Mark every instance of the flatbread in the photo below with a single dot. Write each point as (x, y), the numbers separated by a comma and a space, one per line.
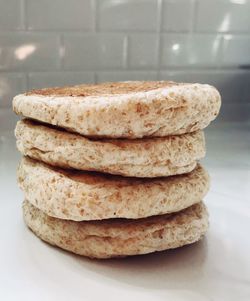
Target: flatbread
(130, 110)
(151, 157)
(75, 195)
(119, 237)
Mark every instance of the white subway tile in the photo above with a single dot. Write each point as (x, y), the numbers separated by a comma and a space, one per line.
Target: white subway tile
(177, 15)
(246, 89)
(37, 80)
(132, 51)
(11, 84)
(10, 15)
(190, 50)
(60, 14)
(129, 15)
(8, 122)
(143, 51)
(230, 83)
(223, 16)
(126, 75)
(28, 51)
(234, 113)
(236, 51)
(93, 51)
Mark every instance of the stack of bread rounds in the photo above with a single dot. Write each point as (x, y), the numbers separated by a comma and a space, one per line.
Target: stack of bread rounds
(112, 170)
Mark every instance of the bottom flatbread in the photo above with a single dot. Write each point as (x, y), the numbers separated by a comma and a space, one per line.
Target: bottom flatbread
(119, 237)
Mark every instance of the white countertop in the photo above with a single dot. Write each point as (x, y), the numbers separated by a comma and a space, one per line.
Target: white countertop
(217, 268)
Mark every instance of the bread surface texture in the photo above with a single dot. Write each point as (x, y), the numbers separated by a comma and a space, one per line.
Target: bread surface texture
(75, 195)
(133, 109)
(119, 237)
(147, 157)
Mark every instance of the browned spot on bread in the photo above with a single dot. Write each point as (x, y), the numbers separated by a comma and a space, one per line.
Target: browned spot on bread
(105, 88)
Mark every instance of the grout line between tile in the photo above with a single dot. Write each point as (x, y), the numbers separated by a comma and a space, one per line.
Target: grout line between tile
(61, 52)
(26, 81)
(239, 34)
(220, 51)
(159, 40)
(95, 21)
(125, 52)
(23, 15)
(194, 16)
(205, 68)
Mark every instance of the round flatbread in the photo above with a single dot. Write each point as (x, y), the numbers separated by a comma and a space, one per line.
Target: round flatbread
(75, 195)
(123, 109)
(119, 237)
(151, 157)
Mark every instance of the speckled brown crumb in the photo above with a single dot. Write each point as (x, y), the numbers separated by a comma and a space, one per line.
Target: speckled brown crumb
(124, 110)
(119, 237)
(152, 157)
(110, 88)
(75, 195)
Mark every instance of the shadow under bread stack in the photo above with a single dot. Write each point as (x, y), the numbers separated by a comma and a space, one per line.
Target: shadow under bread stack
(111, 170)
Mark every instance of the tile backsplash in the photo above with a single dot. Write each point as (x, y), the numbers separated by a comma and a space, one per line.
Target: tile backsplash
(46, 43)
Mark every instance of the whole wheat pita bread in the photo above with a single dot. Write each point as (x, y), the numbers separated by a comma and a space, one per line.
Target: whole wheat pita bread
(151, 157)
(124, 109)
(119, 237)
(75, 195)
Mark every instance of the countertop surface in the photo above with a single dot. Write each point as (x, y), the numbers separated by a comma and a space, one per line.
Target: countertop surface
(216, 268)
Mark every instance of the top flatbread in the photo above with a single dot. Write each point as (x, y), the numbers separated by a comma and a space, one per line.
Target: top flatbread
(123, 109)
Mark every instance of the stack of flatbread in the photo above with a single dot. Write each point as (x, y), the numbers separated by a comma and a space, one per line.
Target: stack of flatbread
(112, 170)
